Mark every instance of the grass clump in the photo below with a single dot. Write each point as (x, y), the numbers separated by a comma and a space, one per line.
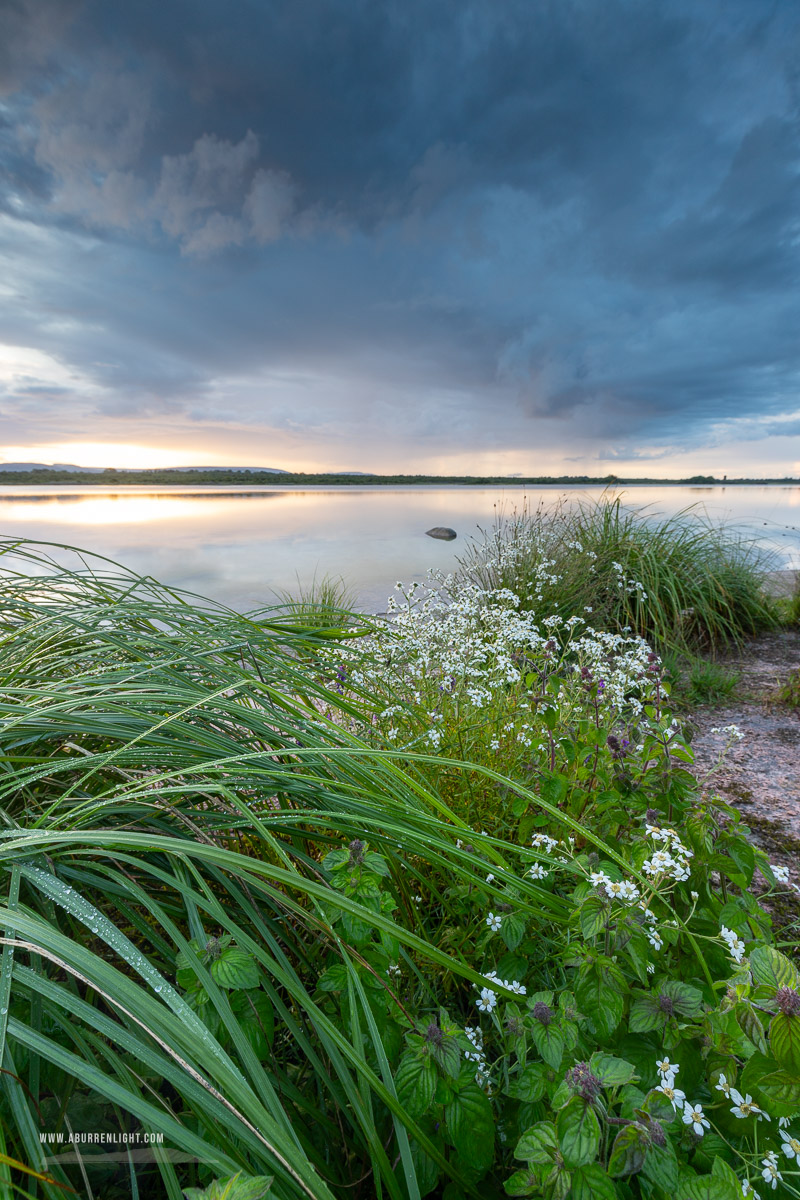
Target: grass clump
(434, 912)
(325, 603)
(700, 681)
(681, 581)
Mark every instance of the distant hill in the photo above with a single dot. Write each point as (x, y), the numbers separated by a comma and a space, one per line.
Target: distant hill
(22, 467)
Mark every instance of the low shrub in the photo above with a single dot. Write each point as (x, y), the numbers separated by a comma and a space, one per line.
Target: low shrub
(257, 910)
(681, 581)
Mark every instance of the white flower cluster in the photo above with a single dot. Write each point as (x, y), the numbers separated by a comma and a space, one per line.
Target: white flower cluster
(692, 1114)
(455, 639)
(673, 861)
(734, 943)
(487, 998)
(614, 889)
(731, 732)
(477, 1054)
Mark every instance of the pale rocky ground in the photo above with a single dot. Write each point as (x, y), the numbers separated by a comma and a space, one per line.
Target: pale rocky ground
(760, 774)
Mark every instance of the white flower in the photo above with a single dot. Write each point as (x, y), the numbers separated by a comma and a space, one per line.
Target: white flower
(393, 969)
(747, 1188)
(651, 968)
(771, 1174)
(655, 939)
(490, 878)
(494, 922)
(791, 1146)
(487, 1000)
(598, 879)
(723, 1086)
(665, 1067)
(675, 1096)
(695, 895)
(780, 873)
(537, 871)
(693, 1115)
(732, 732)
(745, 1107)
(735, 943)
(784, 1122)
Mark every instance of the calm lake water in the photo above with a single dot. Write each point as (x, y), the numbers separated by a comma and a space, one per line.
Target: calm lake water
(238, 545)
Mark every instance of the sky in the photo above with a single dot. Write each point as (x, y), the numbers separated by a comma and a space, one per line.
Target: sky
(445, 236)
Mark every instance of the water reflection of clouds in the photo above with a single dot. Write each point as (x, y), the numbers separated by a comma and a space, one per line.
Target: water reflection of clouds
(240, 545)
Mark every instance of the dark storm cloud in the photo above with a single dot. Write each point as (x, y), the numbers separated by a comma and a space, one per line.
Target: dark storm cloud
(577, 212)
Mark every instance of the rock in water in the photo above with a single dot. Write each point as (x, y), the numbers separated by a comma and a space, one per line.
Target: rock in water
(442, 533)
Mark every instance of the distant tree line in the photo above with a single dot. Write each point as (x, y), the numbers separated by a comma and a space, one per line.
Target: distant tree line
(232, 476)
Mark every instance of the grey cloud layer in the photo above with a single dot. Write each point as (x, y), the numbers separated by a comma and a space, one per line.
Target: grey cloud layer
(578, 213)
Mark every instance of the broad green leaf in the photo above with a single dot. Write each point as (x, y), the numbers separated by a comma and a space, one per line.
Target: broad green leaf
(513, 928)
(537, 1143)
(593, 917)
(257, 1020)
(750, 1025)
(522, 1183)
(784, 1041)
(771, 968)
(722, 1170)
(549, 1042)
(779, 1093)
(602, 997)
(628, 1152)
(645, 1015)
(470, 1124)
(612, 1072)
(707, 1187)
(529, 1084)
(688, 1000)
(661, 1166)
(592, 1183)
(578, 1133)
(235, 969)
(236, 1187)
(334, 979)
(415, 1083)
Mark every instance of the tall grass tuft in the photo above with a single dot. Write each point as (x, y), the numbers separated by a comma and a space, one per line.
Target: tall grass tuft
(681, 581)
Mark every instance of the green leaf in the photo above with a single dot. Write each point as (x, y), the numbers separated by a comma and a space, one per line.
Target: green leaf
(470, 1124)
(661, 1166)
(578, 1133)
(725, 1172)
(779, 1093)
(593, 917)
(592, 1183)
(415, 1083)
(784, 1041)
(601, 995)
(376, 863)
(528, 1085)
(612, 1072)
(645, 1015)
(707, 1187)
(233, 1188)
(522, 1183)
(688, 1000)
(334, 979)
(235, 969)
(537, 1143)
(771, 968)
(751, 1027)
(257, 1020)
(549, 1042)
(512, 929)
(628, 1152)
